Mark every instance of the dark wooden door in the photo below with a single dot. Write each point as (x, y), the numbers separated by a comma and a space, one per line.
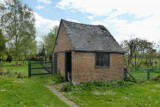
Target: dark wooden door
(68, 66)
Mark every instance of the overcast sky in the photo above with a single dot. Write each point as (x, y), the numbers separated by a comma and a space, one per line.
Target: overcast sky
(123, 18)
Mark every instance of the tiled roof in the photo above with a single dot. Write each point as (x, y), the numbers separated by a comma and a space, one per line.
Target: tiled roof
(91, 37)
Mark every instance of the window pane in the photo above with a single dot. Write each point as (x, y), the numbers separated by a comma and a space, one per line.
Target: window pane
(97, 62)
(102, 59)
(105, 62)
(101, 62)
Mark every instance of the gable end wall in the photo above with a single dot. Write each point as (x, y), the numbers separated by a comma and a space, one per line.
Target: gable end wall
(62, 44)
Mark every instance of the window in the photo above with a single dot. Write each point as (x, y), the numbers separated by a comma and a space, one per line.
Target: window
(102, 59)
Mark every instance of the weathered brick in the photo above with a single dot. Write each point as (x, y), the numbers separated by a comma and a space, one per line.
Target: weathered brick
(83, 63)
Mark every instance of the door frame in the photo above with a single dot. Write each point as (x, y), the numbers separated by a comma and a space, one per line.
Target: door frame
(68, 66)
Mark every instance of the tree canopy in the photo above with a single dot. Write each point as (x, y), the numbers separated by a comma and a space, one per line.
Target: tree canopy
(2, 44)
(18, 23)
(139, 52)
(49, 40)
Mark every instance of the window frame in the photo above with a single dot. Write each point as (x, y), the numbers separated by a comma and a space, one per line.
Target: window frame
(102, 61)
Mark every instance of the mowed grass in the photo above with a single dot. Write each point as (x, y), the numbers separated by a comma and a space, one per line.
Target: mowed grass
(26, 92)
(137, 95)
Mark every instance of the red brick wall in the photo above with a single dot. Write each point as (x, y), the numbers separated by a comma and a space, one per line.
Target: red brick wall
(61, 63)
(83, 68)
(62, 44)
(83, 63)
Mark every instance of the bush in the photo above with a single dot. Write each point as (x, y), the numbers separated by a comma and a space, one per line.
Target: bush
(90, 86)
(40, 58)
(157, 78)
(67, 88)
(19, 75)
(10, 74)
(9, 59)
(57, 78)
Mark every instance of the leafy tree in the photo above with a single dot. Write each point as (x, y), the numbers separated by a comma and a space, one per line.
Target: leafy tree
(49, 41)
(2, 45)
(130, 47)
(139, 52)
(41, 56)
(29, 47)
(17, 21)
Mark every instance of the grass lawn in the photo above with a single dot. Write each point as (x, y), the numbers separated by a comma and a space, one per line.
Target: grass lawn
(26, 92)
(137, 95)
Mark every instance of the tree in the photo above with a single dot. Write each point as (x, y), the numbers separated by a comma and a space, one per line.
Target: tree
(130, 47)
(139, 52)
(2, 45)
(17, 21)
(49, 41)
(29, 47)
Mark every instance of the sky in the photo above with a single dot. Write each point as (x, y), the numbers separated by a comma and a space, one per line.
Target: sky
(125, 19)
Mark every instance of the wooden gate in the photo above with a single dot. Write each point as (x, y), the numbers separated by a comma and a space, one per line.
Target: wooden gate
(39, 68)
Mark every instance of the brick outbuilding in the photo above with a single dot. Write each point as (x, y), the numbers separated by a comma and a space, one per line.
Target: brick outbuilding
(85, 53)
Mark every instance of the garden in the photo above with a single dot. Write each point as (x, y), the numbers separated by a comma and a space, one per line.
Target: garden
(17, 90)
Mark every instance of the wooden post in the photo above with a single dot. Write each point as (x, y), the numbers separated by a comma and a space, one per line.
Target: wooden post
(51, 67)
(148, 74)
(29, 69)
(125, 74)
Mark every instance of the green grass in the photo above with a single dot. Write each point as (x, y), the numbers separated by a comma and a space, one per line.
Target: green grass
(137, 95)
(26, 92)
(12, 68)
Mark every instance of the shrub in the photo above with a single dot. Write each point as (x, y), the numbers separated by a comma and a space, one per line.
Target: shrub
(67, 88)
(90, 86)
(19, 75)
(10, 74)
(99, 83)
(1, 71)
(40, 58)
(57, 78)
(9, 59)
(157, 78)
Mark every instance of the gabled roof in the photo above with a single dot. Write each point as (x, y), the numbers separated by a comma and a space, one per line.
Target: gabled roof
(91, 37)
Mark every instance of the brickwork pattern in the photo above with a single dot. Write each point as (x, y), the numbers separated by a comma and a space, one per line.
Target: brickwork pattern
(84, 70)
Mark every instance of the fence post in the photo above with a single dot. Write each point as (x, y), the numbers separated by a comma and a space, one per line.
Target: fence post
(29, 69)
(148, 74)
(125, 74)
(51, 67)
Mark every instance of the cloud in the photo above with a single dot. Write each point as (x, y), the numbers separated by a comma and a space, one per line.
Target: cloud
(73, 20)
(40, 7)
(101, 7)
(90, 17)
(45, 1)
(1, 1)
(43, 25)
(142, 20)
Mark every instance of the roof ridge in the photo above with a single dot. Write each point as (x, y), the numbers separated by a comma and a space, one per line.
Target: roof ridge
(63, 20)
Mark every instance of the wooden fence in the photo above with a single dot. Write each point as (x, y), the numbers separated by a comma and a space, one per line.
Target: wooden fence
(39, 68)
(140, 75)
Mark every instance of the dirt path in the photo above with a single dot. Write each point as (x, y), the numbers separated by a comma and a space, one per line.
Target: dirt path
(62, 97)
